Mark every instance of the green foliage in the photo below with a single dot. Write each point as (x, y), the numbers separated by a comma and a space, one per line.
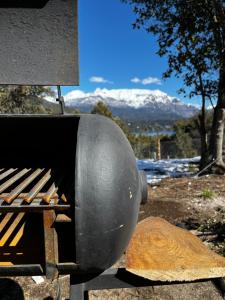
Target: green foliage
(102, 109)
(192, 168)
(188, 135)
(141, 144)
(29, 100)
(207, 194)
(184, 144)
(23, 99)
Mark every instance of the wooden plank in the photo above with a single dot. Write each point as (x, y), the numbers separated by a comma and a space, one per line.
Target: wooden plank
(161, 251)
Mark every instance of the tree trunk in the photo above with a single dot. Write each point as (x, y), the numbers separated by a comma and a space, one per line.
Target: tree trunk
(219, 135)
(203, 138)
(202, 127)
(217, 131)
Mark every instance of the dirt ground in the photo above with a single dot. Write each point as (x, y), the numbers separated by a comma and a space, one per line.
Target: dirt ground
(196, 204)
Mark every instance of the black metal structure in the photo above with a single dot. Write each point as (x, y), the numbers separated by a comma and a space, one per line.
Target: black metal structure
(108, 193)
(118, 279)
(90, 177)
(23, 3)
(39, 42)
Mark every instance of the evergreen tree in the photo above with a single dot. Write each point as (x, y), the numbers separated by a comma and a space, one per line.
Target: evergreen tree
(23, 99)
(102, 109)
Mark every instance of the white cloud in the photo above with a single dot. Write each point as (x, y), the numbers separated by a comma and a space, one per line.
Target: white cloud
(147, 80)
(99, 79)
(151, 80)
(75, 94)
(135, 80)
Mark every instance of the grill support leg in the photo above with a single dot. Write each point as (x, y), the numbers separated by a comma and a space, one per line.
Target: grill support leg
(78, 292)
(80, 284)
(51, 245)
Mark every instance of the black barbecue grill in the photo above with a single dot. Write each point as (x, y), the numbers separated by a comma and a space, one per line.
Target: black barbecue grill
(69, 194)
(69, 186)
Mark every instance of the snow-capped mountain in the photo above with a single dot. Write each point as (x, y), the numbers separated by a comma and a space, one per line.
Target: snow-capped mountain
(132, 104)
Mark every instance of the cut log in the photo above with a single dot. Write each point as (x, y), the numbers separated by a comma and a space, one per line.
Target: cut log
(161, 251)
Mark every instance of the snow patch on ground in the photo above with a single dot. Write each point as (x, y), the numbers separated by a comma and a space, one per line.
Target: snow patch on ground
(156, 170)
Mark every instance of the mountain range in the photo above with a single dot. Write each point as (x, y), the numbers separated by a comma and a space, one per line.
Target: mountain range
(133, 104)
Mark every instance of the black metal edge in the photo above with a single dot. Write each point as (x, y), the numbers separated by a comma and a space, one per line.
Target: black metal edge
(36, 269)
(219, 285)
(90, 254)
(67, 268)
(52, 116)
(30, 208)
(21, 270)
(110, 279)
(120, 278)
(23, 4)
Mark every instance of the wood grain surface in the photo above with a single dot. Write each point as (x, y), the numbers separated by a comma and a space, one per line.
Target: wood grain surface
(159, 250)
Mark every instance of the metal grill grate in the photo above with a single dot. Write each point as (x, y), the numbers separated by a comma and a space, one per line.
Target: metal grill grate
(30, 188)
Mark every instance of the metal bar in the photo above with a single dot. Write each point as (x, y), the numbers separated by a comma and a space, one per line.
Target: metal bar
(16, 202)
(21, 270)
(51, 245)
(6, 173)
(10, 181)
(23, 196)
(50, 193)
(19, 202)
(67, 268)
(33, 208)
(41, 183)
(77, 292)
(60, 99)
(15, 192)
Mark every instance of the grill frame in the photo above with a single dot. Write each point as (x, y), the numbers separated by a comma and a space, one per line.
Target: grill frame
(76, 140)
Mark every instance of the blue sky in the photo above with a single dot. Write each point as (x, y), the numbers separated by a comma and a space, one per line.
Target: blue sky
(112, 53)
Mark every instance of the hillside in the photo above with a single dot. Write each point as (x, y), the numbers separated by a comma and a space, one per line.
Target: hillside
(133, 104)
